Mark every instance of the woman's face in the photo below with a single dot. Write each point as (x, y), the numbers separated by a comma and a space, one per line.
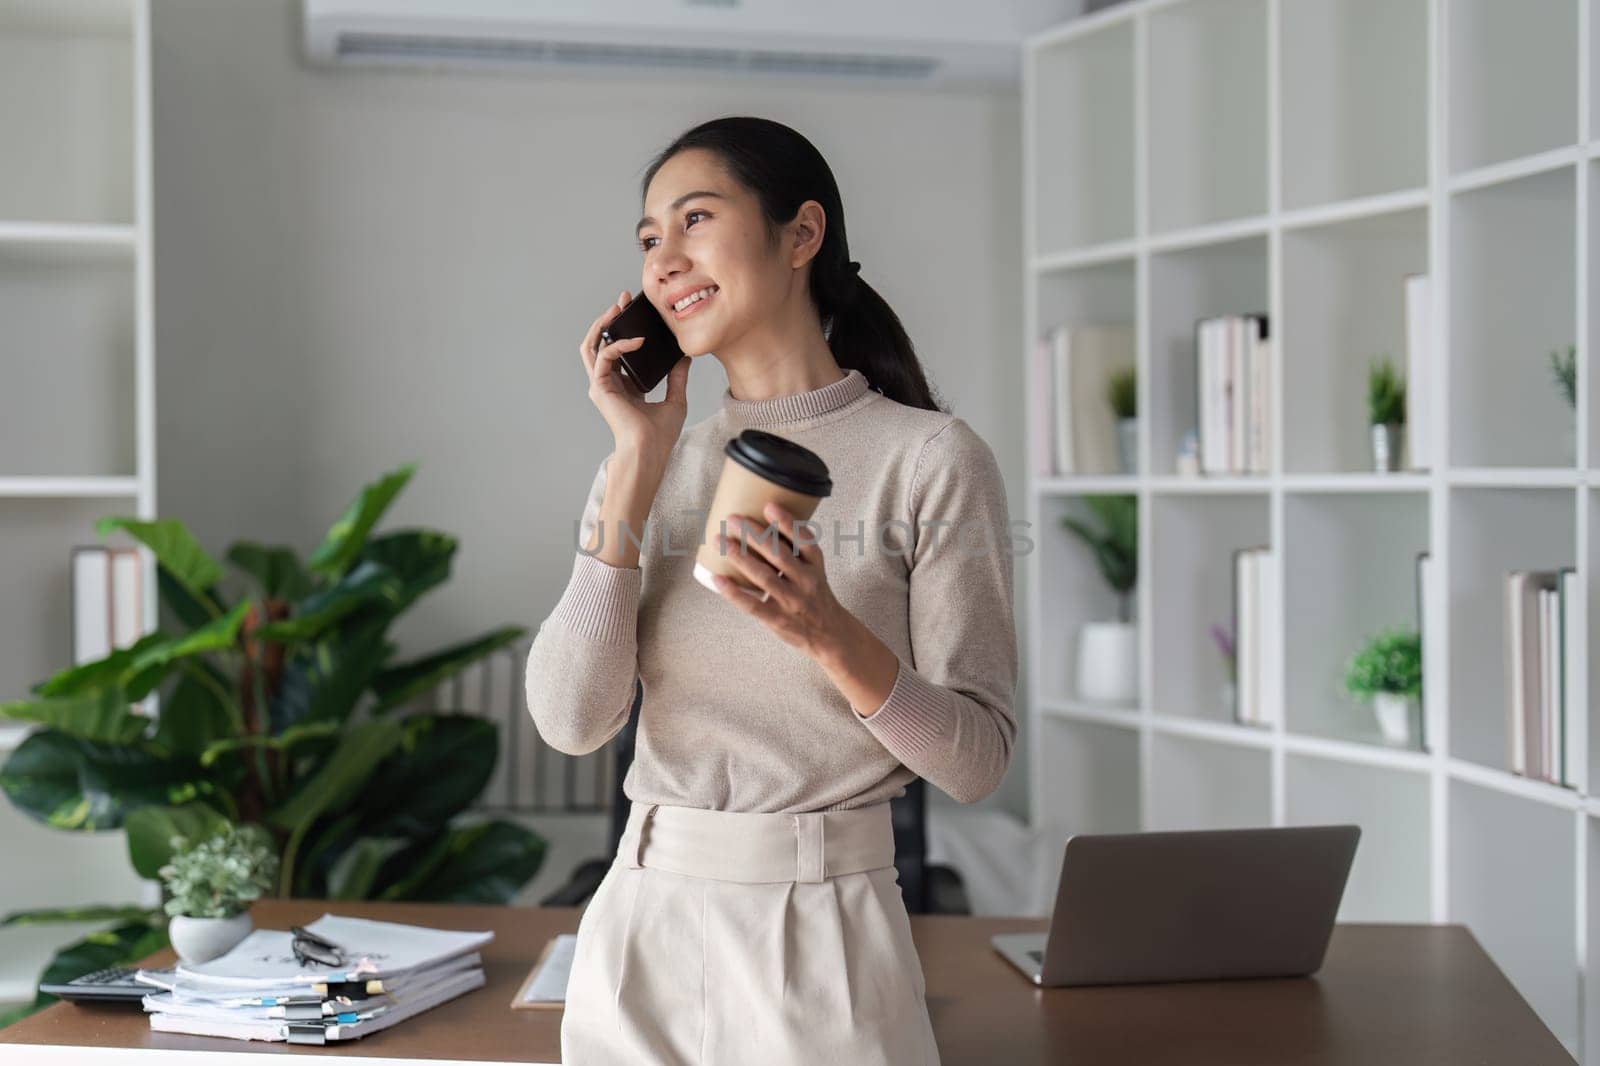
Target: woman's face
(717, 241)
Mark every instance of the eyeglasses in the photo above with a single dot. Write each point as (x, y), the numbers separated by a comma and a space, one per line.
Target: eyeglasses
(310, 948)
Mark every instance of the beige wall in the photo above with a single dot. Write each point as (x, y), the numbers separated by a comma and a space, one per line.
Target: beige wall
(359, 268)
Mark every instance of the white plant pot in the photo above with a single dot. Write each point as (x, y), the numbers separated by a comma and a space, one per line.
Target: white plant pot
(1108, 662)
(203, 939)
(1394, 713)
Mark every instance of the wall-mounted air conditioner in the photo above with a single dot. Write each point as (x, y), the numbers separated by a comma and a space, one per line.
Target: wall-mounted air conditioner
(933, 42)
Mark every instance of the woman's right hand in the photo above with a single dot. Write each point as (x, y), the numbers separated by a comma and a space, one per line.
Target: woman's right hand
(646, 429)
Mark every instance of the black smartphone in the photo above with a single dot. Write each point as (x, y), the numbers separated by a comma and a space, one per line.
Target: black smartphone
(647, 364)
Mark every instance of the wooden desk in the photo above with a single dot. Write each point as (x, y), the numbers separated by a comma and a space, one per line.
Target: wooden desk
(1416, 995)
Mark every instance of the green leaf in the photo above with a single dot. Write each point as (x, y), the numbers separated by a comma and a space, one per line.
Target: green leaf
(444, 763)
(284, 741)
(400, 683)
(151, 829)
(124, 945)
(325, 681)
(216, 635)
(345, 538)
(362, 748)
(87, 677)
(366, 583)
(420, 863)
(69, 783)
(102, 716)
(193, 611)
(419, 557)
(175, 549)
(354, 872)
(276, 570)
(312, 878)
(193, 716)
(486, 863)
(121, 912)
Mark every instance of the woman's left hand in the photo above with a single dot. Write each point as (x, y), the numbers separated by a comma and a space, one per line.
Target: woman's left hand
(800, 607)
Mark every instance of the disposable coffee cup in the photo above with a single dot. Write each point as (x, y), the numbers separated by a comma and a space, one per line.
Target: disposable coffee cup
(758, 468)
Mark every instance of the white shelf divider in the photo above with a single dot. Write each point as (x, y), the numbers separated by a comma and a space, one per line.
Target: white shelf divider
(1186, 257)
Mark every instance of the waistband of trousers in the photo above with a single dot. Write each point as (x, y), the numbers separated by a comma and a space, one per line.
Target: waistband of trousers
(757, 846)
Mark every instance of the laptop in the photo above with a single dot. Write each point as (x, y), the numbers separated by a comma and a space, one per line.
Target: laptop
(1189, 905)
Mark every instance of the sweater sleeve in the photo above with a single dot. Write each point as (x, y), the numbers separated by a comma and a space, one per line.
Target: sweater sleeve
(584, 662)
(949, 716)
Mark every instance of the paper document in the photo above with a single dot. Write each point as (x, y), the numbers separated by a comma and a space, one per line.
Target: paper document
(374, 950)
(547, 985)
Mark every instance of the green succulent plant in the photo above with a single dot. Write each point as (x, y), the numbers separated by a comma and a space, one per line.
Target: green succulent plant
(220, 876)
(1389, 662)
(280, 708)
(1386, 393)
(1114, 540)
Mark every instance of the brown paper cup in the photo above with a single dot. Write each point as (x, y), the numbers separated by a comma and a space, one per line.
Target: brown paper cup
(742, 492)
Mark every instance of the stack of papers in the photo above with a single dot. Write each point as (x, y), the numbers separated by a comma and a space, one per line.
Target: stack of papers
(259, 991)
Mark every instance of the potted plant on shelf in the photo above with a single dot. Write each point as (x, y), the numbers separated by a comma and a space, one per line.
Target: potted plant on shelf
(1108, 652)
(1565, 370)
(212, 884)
(1388, 671)
(1223, 639)
(1386, 413)
(1122, 392)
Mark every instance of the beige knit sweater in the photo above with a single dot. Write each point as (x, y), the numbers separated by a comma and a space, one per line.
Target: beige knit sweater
(916, 542)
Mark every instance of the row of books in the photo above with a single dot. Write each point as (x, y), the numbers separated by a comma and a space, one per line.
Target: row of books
(107, 603)
(260, 990)
(1075, 429)
(1233, 388)
(1255, 588)
(1541, 661)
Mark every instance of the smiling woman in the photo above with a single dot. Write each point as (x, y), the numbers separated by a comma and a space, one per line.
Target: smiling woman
(753, 911)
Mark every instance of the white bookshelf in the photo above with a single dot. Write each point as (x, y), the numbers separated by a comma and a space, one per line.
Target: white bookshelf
(77, 413)
(1185, 158)
(77, 374)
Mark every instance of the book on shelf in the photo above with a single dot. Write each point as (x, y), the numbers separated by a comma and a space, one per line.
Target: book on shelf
(1424, 590)
(1541, 669)
(1418, 372)
(1574, 717)
(1233, 386)
(1255, 579)
(1075, 430)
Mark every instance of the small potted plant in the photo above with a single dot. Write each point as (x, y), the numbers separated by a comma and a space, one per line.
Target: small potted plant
(1386, 413)
(1108, 652)
(1565, 370)
(1388, 671)
(212, 884)
(1223, 639)
(1122, 392)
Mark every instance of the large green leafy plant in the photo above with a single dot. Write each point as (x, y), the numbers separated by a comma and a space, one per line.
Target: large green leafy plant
(277, 710)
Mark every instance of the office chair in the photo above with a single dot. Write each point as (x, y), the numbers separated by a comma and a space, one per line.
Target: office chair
(927, 888)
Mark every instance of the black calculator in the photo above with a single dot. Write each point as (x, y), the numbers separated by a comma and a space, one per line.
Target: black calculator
(110, 985)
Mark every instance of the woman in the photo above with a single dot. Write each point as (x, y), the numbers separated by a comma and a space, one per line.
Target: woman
(753, 910)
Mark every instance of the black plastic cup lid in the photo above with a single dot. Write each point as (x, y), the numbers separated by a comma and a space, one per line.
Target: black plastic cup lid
(781, 461)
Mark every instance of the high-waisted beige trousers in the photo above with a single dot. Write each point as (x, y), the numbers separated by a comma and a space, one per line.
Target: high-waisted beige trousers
(723, 938)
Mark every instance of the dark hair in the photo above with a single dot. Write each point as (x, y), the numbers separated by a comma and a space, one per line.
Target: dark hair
(784, 170)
